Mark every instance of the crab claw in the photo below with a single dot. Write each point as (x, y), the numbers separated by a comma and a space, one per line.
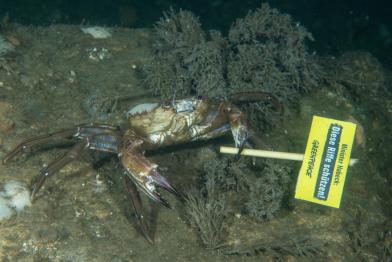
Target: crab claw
(146, 177)
(154, 180)
(240, 135)
(156, 196)
(239, 127)
(162, 182)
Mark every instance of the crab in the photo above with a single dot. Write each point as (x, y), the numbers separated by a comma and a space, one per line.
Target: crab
(149, 126)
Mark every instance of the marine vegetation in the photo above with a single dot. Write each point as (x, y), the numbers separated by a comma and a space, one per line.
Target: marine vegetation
(264, 51)
(230, 187)
(207, 212)
(268, 191)
(280, 247)
(262, 188)
(99, 106)
(368, 238)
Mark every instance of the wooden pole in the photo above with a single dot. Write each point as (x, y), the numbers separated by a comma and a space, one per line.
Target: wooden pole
(270, 154)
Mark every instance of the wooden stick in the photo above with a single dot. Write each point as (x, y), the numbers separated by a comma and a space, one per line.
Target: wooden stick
(270, 154)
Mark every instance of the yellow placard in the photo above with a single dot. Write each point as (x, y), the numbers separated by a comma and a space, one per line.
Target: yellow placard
(324, 168)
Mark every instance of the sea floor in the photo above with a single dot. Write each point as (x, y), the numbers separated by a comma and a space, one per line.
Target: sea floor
(58, 77)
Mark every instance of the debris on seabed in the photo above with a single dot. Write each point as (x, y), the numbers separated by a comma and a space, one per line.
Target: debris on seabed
(97, 32)
(14, 196)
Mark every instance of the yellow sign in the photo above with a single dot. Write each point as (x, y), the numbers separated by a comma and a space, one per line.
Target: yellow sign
(326, 159)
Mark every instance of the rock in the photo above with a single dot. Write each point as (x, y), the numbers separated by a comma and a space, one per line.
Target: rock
(6, 123)
(361, 71)
(45, 234)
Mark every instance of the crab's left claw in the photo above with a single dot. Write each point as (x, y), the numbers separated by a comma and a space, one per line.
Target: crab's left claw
(238, 125)
(240, 135)
(241, 139)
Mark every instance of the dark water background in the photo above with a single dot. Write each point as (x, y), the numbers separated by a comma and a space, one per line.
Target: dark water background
(337, 25)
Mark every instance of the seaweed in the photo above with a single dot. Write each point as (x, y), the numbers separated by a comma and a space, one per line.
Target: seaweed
(279, 247)
(178, 31)
(185, 61)
(99, 106)
(268, 191)
(207, 215)
(163, 76)
(358, 232)
(263, 192)
(227, 174)
(176, 34)
(264, 51)
(269, 54)
(368, 237)
(206, 66)
(364, 235)
(207, 212)
(384, 244)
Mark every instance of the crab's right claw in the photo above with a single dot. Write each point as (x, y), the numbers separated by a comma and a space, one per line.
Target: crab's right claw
(162, 182)
(152, 182)
(146, 177)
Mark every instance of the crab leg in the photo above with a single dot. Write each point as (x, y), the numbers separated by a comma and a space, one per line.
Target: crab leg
(87, 130)
(103, 143)
(100, 142)
(81, 131)
(57, 165)
(44, 139)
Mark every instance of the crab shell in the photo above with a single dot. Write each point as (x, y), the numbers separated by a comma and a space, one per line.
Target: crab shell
(181, 121)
